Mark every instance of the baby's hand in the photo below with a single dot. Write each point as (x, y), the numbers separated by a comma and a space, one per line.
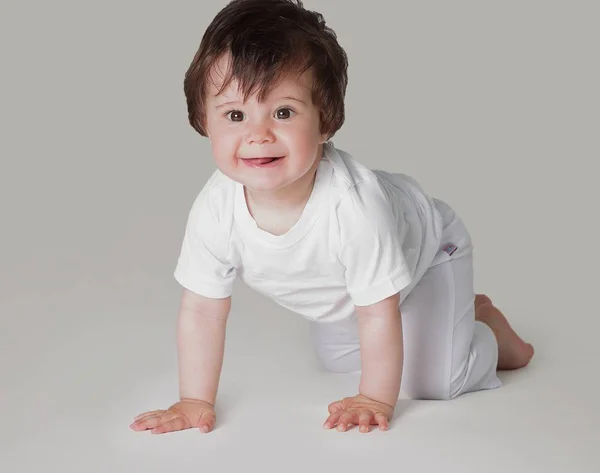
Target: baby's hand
(359, 410)
(185, 414)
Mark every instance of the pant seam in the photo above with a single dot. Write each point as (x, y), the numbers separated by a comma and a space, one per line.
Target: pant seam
(450, 358)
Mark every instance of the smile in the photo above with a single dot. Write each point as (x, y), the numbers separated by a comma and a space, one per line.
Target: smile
(262, 162)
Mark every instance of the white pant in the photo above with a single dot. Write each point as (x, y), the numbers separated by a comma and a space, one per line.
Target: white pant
(446, 351)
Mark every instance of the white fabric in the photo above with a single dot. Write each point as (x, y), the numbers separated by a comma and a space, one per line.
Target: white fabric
(446, 352)
(364, 235)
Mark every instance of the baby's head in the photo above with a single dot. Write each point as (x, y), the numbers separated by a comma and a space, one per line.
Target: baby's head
(268, 80)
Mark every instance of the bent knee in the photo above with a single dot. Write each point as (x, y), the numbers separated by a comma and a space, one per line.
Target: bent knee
(340, 364)
(337, 367)
(427, 391)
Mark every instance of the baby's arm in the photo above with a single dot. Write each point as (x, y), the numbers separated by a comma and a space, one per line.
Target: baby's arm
(382, 350)
(201, 345)
(382, 354)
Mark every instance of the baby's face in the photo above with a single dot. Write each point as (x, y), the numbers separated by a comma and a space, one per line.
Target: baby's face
(284, 126)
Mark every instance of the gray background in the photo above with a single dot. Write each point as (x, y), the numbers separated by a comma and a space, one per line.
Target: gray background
(492, 106)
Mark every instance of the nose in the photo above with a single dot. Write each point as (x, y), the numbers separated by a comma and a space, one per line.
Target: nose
(260, 133)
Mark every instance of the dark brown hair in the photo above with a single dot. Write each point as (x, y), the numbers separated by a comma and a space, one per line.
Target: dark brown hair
(267, 39)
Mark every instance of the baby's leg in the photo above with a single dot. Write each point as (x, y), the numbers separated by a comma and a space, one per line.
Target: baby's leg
(337, 345)
(454, 340)
(446, 351)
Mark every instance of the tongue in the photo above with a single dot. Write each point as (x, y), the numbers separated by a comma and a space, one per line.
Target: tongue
(263, 160)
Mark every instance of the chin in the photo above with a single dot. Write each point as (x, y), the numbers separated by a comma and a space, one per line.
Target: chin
(262, 186)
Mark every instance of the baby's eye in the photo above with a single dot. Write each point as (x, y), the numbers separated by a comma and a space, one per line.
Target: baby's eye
(284, 113)
(235, 116)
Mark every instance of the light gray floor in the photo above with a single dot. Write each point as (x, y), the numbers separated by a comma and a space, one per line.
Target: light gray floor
(493, 108)
(78, 364)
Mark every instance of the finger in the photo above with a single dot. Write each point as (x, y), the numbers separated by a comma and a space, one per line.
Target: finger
(345, 419)
(332, 420)
(149, 413)
(170, 425)
(150, 422)
(141, 422)
(381, 419)
(364, 419)
(207, 422)
(335, 407)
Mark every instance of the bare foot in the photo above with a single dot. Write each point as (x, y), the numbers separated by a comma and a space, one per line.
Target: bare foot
(513, 352)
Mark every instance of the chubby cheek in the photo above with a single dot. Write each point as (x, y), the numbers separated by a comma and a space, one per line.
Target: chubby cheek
(223, 149)
(301, 142)
(224, 146)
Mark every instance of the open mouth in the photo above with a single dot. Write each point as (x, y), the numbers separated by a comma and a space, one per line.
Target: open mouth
(261, 162)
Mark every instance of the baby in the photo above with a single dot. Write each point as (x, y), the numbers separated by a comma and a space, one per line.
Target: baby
(383, 271)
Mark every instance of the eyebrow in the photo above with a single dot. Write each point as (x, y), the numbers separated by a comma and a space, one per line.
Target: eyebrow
(289, 97)
(226, 103)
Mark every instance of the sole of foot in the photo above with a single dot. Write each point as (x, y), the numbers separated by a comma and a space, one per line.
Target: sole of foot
(513, 352)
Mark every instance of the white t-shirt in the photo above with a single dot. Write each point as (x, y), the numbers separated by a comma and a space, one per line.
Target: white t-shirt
(364, 235)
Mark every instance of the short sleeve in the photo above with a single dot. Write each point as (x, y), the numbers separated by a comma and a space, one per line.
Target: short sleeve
(203, 265)
(371, 247)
